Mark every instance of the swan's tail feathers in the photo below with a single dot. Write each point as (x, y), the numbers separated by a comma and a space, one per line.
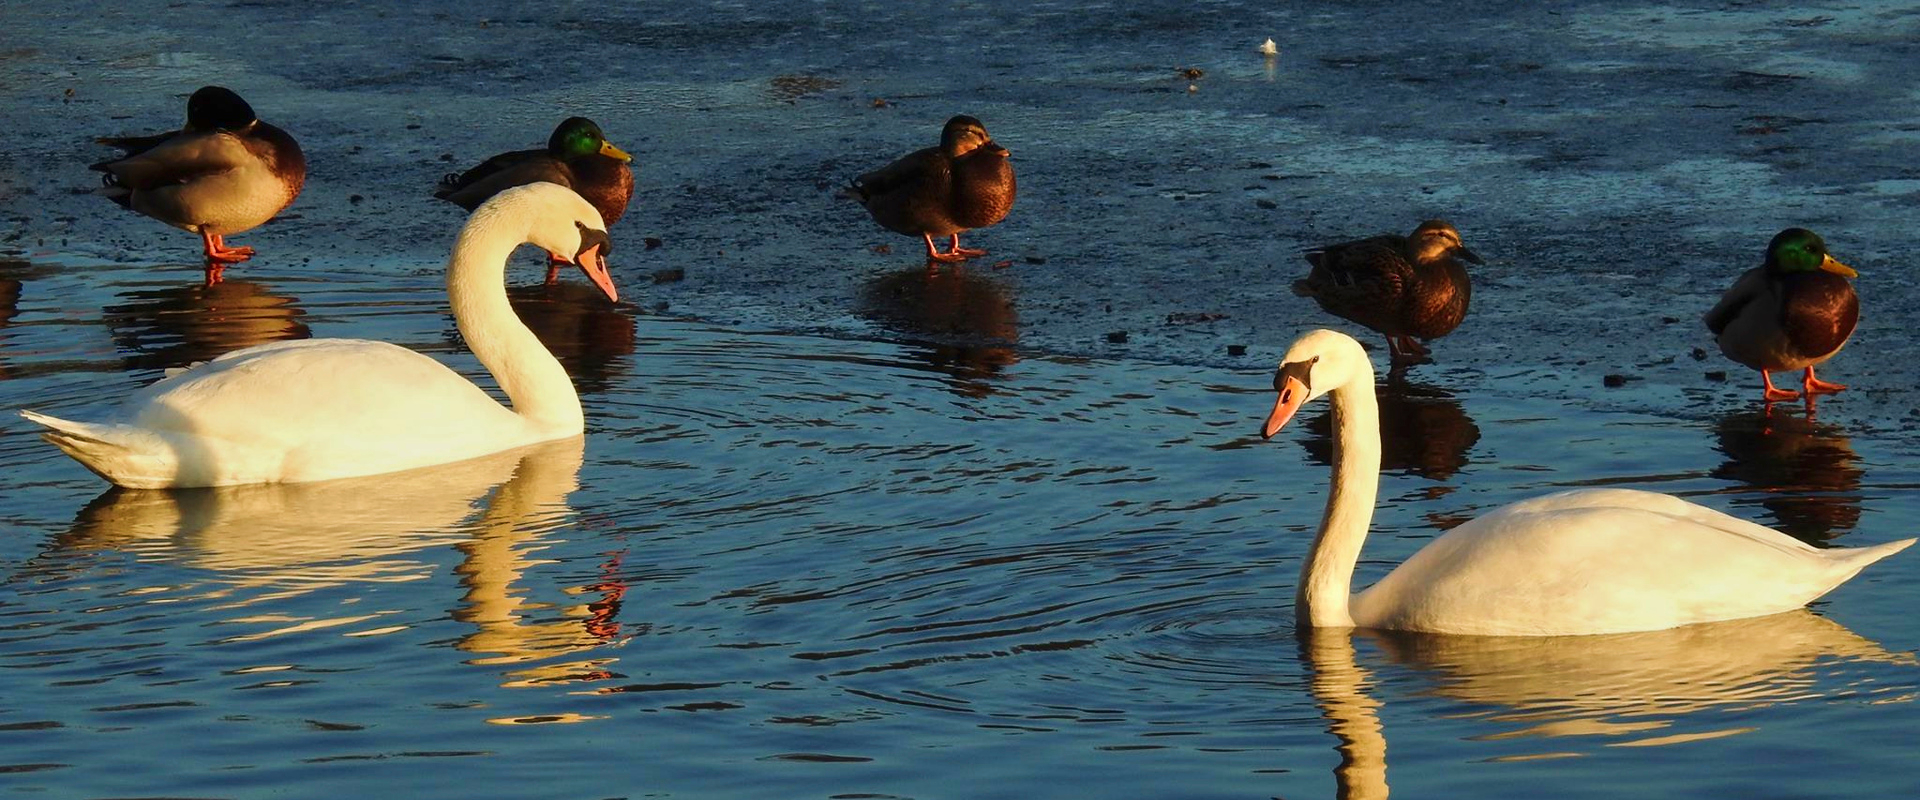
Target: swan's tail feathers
(122, 454)
(1858, 558)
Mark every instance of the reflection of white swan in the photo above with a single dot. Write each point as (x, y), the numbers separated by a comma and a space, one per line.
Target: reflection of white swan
(1621, 685)
(1578, 562)
(498, 555)
(1564, 681)
(1339, 685)
(318, 533)
(321, 409)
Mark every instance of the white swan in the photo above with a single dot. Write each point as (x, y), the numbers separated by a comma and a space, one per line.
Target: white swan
(320, 409)
(1578, 562)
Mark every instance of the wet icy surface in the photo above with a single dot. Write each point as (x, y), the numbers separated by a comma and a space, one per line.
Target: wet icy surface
(842, 527)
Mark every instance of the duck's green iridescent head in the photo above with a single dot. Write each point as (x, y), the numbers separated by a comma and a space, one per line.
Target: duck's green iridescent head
(215, 107)
(963, 135)
(578, 136)
(1802, 250)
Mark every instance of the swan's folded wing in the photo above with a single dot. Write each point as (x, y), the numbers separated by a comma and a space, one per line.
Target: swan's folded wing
(1662, 504)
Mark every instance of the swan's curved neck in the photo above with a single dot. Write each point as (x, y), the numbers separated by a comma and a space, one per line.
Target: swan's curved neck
(1326, 579)
(536, 385)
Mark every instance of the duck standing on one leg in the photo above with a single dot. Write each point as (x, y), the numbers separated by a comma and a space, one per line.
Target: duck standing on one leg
(964, 184)
(1406, 287)
(578, 156)
(223, 173)
(1794, 311)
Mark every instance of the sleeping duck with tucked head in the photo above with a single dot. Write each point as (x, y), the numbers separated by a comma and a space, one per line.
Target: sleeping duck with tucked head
(224, 172)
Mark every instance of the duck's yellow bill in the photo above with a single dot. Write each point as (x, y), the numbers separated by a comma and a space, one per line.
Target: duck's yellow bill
(607, 149)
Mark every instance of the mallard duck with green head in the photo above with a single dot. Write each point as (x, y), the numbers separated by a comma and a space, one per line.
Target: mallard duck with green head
(965, 183)
(577, 156)
(1406, 287)
(1794, 311)
(223, 173)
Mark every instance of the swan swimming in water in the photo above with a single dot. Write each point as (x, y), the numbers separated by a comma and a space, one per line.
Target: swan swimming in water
(319, 409)
(1585, 561)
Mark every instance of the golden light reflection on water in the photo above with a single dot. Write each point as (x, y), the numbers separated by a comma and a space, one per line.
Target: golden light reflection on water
(292, 539)
(1631, 688)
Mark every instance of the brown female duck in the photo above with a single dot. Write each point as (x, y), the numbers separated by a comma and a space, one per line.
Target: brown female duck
(964, 184)
(1406, 287)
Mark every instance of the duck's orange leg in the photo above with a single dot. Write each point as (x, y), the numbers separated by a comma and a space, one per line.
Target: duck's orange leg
(1772, 393)
(934, 254)
(964, 251)
(219, 255)
(1814, 385)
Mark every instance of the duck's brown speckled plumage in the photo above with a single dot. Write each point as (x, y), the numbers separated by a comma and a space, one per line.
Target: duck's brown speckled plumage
(1398, 285)
(963, 184)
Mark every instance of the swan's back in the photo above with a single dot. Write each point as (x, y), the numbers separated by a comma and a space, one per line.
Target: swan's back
(290, 412)
(1603, 561)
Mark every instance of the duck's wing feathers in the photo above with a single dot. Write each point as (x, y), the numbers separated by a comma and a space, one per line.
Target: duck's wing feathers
(133, 145)
(499, 173)
(1750, 287)
(1363, 273)
(179, 159)
(910, 172)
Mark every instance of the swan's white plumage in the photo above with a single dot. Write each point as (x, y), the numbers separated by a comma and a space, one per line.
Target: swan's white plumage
(1585, 561)
(332, 408)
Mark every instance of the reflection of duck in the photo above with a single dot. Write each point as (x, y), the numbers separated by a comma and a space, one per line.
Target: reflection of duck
(181, 325)
(591, 337)
(1423, 430)
(969, 323)
(1801, 471)
(1615, 685)
(11, 285)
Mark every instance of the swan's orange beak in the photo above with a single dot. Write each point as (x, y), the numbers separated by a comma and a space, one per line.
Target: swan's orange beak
(1292, 394)
(594, 262)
